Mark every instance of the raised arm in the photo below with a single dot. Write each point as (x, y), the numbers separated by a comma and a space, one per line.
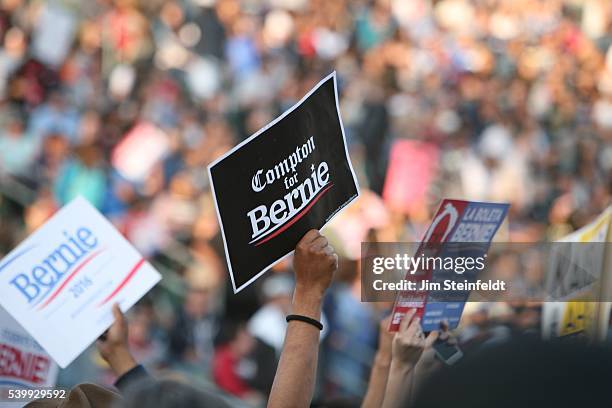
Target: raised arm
(314, 263)
(113, 347)
(380, 368)
(408, 346)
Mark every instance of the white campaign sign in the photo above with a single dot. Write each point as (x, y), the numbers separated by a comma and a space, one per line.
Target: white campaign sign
(61, 282)
(23, 363)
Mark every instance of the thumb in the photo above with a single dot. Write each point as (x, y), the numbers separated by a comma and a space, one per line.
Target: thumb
(406, 320)
(119, 318)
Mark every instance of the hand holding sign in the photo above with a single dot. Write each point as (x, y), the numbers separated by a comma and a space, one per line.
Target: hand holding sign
(113, 345)
(315, 263)
(61, 282)
(410, 342)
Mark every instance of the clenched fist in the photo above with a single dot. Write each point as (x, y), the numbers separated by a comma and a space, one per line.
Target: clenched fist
(314, 263)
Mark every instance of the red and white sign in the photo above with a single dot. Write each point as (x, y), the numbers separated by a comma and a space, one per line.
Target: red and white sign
(23, 362)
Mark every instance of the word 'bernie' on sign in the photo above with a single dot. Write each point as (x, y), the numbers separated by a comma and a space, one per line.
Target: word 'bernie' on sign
(282, 209)
(23, 365)
(48, 272)
(289, 177)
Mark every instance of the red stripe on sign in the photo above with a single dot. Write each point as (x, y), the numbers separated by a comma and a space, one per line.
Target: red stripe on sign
(296, 217)
(129, 276)
(69, 278)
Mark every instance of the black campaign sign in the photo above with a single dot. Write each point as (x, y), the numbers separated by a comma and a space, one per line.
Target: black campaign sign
(291, 176)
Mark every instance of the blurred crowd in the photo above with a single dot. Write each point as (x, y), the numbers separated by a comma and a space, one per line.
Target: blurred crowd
(126, 102)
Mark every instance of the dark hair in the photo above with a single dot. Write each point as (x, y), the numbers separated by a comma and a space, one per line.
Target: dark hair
(524, 373)
(228, 331)
(170, 394)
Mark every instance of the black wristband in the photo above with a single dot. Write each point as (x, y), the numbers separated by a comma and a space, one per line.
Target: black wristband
(305, 319)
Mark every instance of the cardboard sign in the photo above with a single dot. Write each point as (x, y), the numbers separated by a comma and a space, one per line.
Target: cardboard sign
(461, 222)
(61, 282)
(23, 363)
(567, 313)
(289, 177)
